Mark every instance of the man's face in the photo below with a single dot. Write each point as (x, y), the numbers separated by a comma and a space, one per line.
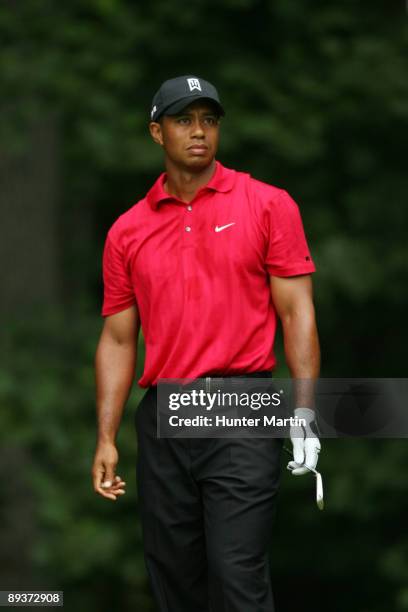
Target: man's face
(190, 138)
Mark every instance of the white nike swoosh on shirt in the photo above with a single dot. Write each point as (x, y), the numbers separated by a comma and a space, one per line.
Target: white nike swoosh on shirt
(223, 227)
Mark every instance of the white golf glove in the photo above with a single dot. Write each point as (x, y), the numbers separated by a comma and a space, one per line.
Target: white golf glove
(306, 444)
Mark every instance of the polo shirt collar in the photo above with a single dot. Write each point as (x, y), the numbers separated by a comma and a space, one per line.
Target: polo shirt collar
(222, 180)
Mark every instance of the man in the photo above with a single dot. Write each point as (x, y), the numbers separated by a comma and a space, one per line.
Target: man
(204, 263)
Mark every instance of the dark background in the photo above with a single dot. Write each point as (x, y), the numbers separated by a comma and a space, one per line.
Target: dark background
(316, 99)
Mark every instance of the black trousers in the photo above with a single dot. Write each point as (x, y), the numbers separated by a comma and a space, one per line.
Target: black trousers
(206, 507)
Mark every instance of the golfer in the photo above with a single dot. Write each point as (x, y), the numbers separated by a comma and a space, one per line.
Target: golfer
(205, 264)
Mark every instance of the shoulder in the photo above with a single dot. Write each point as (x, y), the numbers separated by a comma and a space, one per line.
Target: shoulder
(126, 223)
(268, 194)
(266, 200)
(264, 192)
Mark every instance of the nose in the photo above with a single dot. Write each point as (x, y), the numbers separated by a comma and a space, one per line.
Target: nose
(197, 130)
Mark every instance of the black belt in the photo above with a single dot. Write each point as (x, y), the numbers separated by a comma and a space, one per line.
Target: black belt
(212, 383)
(261, 374)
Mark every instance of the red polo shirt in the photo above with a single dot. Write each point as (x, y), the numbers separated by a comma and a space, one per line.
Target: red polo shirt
(199, 274)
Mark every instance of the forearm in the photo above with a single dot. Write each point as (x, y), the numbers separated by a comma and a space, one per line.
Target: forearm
(115, 365)
(302, 353)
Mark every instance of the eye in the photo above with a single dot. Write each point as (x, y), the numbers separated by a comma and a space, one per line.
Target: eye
(183, 120)
(211, 120)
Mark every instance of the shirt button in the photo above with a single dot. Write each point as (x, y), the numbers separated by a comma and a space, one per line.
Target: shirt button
(189, 207)
(188, 228)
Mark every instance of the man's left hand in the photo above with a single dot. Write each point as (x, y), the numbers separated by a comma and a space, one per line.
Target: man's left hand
(306, 444)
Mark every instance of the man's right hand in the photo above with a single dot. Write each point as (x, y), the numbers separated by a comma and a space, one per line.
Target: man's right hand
(105, 482)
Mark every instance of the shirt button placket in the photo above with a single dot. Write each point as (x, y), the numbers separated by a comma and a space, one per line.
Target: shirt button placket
(189, 208)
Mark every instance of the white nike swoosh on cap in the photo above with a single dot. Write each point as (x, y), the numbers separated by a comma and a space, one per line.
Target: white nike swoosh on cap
(219, 228)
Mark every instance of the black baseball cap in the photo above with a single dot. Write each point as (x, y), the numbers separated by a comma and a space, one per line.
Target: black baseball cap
(175, 94)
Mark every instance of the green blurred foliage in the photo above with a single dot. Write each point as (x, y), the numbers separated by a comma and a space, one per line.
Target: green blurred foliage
(316, 99)
(83, 544)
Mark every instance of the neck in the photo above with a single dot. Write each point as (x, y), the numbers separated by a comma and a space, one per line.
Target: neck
(184, 183)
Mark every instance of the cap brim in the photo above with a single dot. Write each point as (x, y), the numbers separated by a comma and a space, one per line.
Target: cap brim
(178, 106)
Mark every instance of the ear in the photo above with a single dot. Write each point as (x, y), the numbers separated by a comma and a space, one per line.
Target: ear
(156, 132)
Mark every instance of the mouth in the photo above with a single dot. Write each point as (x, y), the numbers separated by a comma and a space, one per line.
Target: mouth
(198, 149)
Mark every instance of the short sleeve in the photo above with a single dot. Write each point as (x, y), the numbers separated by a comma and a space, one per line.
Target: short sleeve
(118, 292)
(287, 250)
